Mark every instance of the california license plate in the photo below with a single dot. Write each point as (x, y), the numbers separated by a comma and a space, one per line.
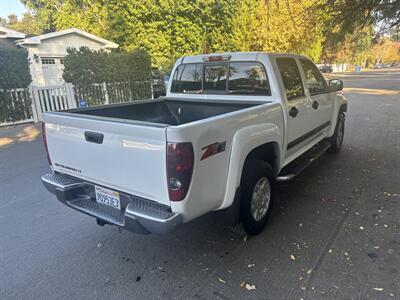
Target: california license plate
(107, 197)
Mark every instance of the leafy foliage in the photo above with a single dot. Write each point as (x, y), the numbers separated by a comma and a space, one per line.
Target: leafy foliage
(14, 73)
(169, 29)
(28, 24)
(14, 68)
(90, 70)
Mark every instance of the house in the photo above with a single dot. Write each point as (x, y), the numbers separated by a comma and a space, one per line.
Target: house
(46, 52)
(8, 37)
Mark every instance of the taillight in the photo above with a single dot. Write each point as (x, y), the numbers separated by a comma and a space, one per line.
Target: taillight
(45, 142)
(180, 160)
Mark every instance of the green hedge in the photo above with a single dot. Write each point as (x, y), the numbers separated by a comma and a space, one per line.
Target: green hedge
(87, 70)
(14, 68)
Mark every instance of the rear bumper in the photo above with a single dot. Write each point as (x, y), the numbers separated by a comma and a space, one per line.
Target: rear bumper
(137, 214)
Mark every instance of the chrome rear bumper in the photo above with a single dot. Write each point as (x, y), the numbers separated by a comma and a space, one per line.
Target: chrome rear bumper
(137, 214)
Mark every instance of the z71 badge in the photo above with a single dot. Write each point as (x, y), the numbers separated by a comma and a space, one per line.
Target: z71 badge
(212, 149)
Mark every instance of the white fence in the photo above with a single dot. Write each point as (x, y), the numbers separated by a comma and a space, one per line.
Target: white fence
(28, 104)
(58, 97)
(15, 106)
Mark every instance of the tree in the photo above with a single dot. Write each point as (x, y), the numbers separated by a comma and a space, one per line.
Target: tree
(29, 24)
(168, 29)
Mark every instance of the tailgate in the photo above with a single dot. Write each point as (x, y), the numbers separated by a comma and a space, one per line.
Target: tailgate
(130, 158)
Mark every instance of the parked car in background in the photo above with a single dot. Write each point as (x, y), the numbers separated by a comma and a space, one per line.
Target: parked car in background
(167, 76)
(159, 87)
(231, 125)
(325, 68)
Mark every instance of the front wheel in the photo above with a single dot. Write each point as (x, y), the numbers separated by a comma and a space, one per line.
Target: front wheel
(258, 183)
(337, 139)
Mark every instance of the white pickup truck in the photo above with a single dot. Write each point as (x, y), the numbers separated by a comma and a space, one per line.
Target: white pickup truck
(230, 126)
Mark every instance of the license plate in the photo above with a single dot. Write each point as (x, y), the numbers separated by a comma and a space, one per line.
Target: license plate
(108, 197)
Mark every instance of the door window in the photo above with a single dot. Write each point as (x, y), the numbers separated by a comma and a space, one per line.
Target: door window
(291, 77)
(315, 82)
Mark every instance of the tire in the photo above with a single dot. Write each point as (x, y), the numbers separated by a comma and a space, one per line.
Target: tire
(337, 139)
(255, 208)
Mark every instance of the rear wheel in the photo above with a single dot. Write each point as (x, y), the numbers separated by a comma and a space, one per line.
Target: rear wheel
(257, 196)
(337, 139)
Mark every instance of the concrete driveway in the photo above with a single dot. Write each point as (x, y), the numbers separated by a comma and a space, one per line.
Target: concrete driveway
(335, 233)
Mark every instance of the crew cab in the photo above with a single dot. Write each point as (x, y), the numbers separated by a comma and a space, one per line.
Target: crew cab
(230, 127)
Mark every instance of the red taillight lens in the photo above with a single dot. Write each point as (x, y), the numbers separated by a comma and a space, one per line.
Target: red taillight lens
(45, 142)
(180, 160)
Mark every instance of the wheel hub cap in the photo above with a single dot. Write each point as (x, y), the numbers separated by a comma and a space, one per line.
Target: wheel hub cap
(260, 199)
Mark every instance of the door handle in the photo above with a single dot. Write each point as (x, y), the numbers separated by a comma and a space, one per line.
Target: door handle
(293, 112)
(94, 137)
(315, 105)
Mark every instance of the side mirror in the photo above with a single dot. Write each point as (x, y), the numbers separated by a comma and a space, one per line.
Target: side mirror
(335, 85)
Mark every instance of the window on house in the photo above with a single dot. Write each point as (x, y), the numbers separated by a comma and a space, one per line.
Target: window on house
(62, 61)
(48, 61)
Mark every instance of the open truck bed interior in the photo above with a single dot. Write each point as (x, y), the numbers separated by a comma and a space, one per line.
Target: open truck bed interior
(165, 111)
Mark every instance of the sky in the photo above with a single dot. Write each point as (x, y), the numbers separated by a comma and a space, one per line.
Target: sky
(8, 7)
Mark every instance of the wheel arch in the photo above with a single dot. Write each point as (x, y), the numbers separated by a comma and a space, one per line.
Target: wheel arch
(340, 106)
(268, 152)
(262, 141)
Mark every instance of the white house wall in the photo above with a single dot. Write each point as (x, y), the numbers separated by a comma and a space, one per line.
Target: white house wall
(56, 48)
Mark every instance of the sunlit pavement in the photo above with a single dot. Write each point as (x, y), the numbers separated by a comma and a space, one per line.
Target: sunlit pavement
(334, 234)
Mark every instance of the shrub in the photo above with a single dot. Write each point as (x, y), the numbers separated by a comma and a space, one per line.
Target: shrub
(14, 68)
(87, 70)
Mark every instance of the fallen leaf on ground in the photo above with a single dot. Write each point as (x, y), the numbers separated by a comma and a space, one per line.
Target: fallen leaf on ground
(292, 257)
(250, 287)
(251, 265)
(221, 280)
(247, 286)
(378, 289)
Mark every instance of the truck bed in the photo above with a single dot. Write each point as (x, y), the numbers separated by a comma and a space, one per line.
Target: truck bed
(165, 111)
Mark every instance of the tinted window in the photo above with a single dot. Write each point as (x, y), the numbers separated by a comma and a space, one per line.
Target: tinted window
(248, 78)
(215, 77)
(187, 79)
(291, 77)
(315, 82)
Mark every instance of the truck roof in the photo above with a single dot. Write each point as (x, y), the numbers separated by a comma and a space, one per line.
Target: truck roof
(234, 56)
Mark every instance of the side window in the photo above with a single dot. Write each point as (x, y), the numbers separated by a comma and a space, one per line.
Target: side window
(215, 77)
(187, 79)
(291, 77)
(315, 82)
(248, 78)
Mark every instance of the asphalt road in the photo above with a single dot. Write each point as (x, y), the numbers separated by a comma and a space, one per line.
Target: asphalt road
(334, 235)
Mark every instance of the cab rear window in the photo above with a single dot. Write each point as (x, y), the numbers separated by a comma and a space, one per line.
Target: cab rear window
(187, 79)
(236, 78)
